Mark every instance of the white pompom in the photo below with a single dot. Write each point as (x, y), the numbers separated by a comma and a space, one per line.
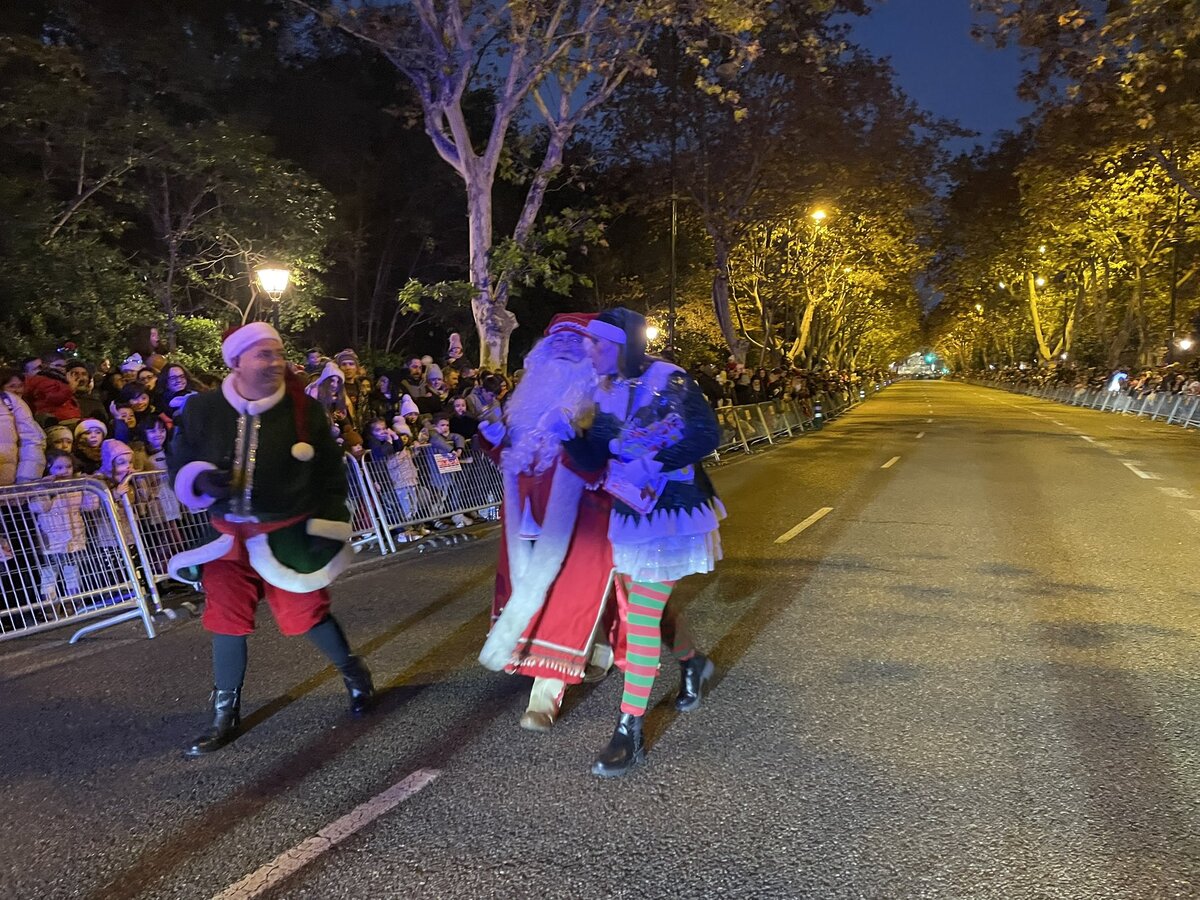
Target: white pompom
(303, 451)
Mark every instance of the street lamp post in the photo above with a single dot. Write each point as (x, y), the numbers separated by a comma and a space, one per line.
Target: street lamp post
(273, 280)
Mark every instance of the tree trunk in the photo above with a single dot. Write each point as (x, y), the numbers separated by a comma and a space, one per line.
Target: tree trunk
(720, 299)
(493, 322)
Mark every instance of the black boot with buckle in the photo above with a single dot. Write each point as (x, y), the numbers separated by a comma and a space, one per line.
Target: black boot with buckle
(693, 675)
(226, 725)
(359, 685)
(624, 751)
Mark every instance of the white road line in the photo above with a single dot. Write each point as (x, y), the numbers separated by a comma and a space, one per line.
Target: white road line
(920, 435)
(811, 520)
(1042, 415)
(1058, 423)
(891, 462)
(291, 861)
(929, 421)
(1178, 493)
(1149, 476)
(1090, 440)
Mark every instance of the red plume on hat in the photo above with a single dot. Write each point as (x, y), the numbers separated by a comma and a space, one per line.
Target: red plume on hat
(576, 322)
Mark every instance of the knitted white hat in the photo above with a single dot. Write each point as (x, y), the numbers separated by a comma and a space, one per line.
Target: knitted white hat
(408, 407)
(240, 339)
(88, 424)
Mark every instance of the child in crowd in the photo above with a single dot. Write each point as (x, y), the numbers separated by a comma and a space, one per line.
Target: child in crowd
(59, 437)
(89, 435)
(154, 502)
(392, 467)
(61, 525)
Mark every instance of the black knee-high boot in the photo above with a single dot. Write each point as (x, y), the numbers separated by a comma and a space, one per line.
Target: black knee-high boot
(229, 671)
(328, 637)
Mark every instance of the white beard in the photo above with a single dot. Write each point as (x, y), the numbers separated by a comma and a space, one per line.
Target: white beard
(559, 383)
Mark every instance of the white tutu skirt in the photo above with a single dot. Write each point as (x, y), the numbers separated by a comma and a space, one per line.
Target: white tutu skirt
(685, 543)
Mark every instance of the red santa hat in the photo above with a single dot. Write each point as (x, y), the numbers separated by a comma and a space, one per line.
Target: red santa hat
(577, 322)
(238, 340)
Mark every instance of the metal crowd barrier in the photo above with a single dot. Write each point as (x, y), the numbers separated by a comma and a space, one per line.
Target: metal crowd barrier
(1173, 408)
(66, 559)
(744, 426)
(418, 486)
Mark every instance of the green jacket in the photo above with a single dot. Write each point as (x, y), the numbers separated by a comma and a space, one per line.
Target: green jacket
(272, 481)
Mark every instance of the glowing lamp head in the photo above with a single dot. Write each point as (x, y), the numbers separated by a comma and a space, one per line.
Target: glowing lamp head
(1003, 285)
(819, 216)
(273, 280)
(652, 332)
(1040, 282)
(1186, 343)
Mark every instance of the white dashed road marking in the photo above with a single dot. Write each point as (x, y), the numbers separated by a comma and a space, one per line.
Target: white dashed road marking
(291, 861)
(1090, 440)
(891, 462)
(1132, 467)
(1177, 493)
(921, 435)
(811, 520)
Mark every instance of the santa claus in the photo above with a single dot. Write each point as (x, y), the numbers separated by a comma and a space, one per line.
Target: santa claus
(555, 567)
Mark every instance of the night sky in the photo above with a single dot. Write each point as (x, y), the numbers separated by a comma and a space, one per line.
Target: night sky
(942, 67)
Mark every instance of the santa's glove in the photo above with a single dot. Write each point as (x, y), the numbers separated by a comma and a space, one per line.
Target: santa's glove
(642, 470)
(558, 423)
(215, 483)
(493, 432)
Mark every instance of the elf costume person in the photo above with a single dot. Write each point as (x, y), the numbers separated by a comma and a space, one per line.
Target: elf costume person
(555, 567)
(653, 426)
(259, 455)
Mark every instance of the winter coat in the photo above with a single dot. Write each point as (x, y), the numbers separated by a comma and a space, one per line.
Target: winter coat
(22, 442)
(48, 393)
(60, 520)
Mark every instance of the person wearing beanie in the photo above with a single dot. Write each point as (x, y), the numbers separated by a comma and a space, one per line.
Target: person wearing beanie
(454, 355)
(89, 435)
(258, 454)
(60, 437)
(652, 428)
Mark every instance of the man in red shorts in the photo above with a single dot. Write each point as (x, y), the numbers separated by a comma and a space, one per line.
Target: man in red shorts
(259, 455)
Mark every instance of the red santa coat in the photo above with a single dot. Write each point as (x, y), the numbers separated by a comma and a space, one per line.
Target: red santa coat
(553, 575)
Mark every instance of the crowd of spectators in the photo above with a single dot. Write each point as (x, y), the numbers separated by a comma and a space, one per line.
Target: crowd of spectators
(739, 385)
(1137, 382)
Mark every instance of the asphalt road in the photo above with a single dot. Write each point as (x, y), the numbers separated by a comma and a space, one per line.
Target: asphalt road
(975, 676)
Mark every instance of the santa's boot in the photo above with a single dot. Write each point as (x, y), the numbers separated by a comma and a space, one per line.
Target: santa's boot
(624, 751)
(599, 663)
(226, 723)
(359, 685)
(693, 675)
(544, 702)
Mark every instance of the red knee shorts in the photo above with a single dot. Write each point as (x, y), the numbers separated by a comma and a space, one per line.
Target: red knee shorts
(232, 590)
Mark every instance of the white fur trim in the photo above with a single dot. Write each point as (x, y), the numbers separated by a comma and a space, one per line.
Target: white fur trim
(185, 485)
(606, 330)
(329, 528)
(242, 338)
(249, 407)
(303, 451)
(198, 556)
(263, 561)
(533, 565)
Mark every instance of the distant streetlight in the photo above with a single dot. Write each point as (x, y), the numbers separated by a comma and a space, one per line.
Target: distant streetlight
(1040, 282)
(652, 332)
(1186, 343)
(979, 308)
(1003, 286)
(819, 216)
(274, 281)
(1063, 357)
(1042, 248)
